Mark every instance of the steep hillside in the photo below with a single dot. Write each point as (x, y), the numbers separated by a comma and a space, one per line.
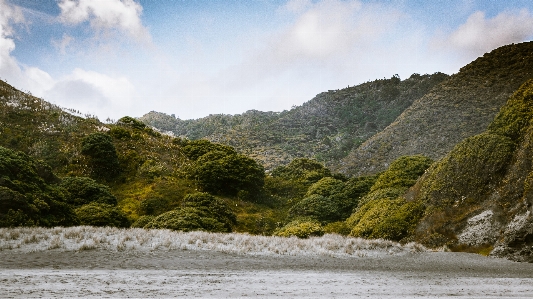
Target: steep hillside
(480, 195)
(325, 128)
(460, 107)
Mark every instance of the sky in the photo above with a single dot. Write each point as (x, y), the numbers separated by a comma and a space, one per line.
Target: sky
(192, 58)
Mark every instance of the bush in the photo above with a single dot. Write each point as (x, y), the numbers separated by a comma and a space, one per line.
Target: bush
(339, 227)
(198, 211)
(302, 228)
(154, 206)
(403, 172)
(386, 219)
(98, 214)
(103, 159)
(84, 190)
(197, 148)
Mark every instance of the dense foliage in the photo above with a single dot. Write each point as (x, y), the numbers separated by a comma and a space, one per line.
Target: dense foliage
(29, 194)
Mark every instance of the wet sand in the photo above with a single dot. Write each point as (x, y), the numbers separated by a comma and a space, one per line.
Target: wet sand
(197, 273)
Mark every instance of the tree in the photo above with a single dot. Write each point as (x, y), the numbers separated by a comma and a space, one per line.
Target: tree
(103, 159)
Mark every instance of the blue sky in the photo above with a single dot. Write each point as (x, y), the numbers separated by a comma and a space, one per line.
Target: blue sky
(193, 58)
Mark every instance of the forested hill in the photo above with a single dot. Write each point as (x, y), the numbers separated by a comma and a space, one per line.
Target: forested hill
(326, 128)
(459, 107)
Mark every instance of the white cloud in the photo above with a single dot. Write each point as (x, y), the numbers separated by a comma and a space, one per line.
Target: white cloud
(480, 34)
(108, 15)
(9, 15)
(329, 38)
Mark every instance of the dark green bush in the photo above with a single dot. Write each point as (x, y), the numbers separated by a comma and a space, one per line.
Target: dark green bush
(84, 190)
(187, 219)
(317, 207)
(28, 194)
(154, 206)
(199, 211)
(229, 174)
(97, 214)
(142, 221)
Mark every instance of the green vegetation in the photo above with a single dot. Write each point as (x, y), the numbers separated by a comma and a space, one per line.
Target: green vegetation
(59, 169)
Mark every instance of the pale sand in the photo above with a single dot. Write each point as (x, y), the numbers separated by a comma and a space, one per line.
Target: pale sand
(196, 273)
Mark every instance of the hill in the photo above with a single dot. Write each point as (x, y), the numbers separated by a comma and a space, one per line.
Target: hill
(459, 107)
(325, 128)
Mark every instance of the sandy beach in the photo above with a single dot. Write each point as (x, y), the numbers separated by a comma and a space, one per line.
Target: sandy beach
(210, 274)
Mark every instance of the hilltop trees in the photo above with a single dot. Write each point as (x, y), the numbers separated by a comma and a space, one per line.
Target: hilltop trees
(103, 159)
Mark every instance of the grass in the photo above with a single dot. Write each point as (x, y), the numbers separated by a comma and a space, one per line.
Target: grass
(82, 238)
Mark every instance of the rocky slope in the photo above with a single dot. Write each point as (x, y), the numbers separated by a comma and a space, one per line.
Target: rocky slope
(325, 128)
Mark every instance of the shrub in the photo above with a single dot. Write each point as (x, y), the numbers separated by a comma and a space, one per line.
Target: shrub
(326, 187)
(28, 194)
(84, 190)
(467, 171)
(403, 172)
(154, 206)
(339, 227)
(188, 219)
(302, 228)
(516, 114)
(98, 214)
(305, 170)
(317, 207)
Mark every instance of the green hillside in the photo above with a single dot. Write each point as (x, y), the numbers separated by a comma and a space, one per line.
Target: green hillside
(325, 128)
(459, 107)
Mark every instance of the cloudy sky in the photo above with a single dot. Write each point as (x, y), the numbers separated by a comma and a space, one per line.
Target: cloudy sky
(193, 58)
